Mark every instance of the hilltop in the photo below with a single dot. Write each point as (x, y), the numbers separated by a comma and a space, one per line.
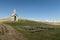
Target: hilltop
(33, 30)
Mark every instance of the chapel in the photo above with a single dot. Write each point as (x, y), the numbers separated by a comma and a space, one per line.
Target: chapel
(14, 16)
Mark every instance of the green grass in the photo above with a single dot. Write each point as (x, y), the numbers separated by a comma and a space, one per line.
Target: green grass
(43, 35)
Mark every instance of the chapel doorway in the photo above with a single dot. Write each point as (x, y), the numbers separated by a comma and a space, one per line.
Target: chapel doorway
(15, 18)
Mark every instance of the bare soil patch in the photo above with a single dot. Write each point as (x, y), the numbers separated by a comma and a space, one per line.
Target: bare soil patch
(9, 33)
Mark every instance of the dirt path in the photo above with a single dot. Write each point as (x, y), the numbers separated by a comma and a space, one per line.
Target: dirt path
(9, 33)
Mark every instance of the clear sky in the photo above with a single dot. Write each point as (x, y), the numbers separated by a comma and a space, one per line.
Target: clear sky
(31, 9)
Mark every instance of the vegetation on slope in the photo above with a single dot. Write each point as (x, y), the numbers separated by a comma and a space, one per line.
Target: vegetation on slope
(39, 35)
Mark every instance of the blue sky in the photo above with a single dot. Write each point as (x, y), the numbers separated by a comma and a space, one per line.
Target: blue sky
(31, 9)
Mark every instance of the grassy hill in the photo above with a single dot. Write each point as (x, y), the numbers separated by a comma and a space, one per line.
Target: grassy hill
(33, 30)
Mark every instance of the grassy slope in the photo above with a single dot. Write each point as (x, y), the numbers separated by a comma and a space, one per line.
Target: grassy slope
(43, 35)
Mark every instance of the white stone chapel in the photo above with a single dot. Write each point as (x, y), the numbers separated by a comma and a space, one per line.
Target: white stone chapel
(14, 16)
